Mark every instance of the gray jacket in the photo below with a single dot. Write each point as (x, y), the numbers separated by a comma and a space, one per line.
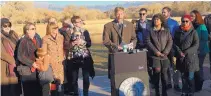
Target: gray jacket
(164, 46)
(188, 45)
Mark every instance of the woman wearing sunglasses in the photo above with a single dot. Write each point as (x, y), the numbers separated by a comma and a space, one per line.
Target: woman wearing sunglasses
(9, 81)
(81, 57)
(27, 58)
(203, 49)
(53, 45)
(186, 44)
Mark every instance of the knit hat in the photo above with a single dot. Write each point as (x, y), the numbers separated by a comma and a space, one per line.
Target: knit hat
(5, 20)
(186, 16)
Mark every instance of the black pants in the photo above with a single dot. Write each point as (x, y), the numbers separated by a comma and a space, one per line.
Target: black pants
(163, 66)
(171, 67)
(85, 74)
(149, 68)
(31, 88)
(188, 82)
(10, 90)
(69, 76)
(45, 89)
(210, 55)
(198, 82)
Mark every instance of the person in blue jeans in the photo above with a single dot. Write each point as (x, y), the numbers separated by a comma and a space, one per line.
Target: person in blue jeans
(186, 43)
(172, 25)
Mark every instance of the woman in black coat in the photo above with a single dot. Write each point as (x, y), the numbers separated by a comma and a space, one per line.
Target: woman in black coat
(186, 43)
(159, 42)
(28, 44)
(81, 56)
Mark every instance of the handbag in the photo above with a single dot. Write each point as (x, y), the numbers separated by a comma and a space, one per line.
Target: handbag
(23, 70)
(46, 76)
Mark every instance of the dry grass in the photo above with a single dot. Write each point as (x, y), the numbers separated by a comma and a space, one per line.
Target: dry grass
(95, 27)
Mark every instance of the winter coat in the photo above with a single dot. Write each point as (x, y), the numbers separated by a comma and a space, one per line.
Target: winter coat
(164, 45)
(54, 48)
(188, 45)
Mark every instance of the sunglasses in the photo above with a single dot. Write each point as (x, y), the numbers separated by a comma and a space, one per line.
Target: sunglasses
(142, 14)
(185, 21)
(5, 26)
(32, 29)
(79, 22)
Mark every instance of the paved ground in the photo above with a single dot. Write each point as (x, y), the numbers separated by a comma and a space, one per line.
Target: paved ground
(100, 86)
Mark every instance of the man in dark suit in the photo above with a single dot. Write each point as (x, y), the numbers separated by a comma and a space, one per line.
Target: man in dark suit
(117, 33)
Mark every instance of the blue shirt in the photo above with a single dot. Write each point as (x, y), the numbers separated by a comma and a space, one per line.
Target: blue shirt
(172, 25)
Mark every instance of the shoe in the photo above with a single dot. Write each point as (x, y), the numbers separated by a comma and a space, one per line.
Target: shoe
(176, 87)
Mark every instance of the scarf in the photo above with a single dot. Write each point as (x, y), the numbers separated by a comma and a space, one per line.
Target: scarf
(10, 36)
(7, 44)
(185, 28)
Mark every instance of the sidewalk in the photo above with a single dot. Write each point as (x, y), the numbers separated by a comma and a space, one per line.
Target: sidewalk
(100, 86)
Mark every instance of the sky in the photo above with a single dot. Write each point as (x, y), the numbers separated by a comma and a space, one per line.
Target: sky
(59, 5)
(86, 3)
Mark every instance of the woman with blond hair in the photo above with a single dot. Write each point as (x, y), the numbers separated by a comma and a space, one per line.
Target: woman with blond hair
(53, 44)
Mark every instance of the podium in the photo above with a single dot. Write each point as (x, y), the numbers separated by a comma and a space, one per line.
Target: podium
(129, 76)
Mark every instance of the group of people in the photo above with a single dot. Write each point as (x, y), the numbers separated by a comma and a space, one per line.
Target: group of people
(49, 65)
(175, 52)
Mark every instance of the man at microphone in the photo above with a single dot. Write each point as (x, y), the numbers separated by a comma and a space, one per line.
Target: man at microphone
(118, 33)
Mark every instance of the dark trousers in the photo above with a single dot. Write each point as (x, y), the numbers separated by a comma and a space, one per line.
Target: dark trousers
(45, 89)
(198, 82)
(201, 62)
(163, 66)
(188, 82)
(69, 76)
(150, 68)
(10, 90)
(32, 88)
(85, 74)
(210, 56)
(171, 67)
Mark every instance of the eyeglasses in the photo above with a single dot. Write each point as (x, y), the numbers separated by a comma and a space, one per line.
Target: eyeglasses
(79, 22)
(142, 14)
(32, 29)
(5, 26)
(185, 21)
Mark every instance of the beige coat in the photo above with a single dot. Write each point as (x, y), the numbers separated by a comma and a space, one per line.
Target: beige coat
(55, 49)
(7, 59)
